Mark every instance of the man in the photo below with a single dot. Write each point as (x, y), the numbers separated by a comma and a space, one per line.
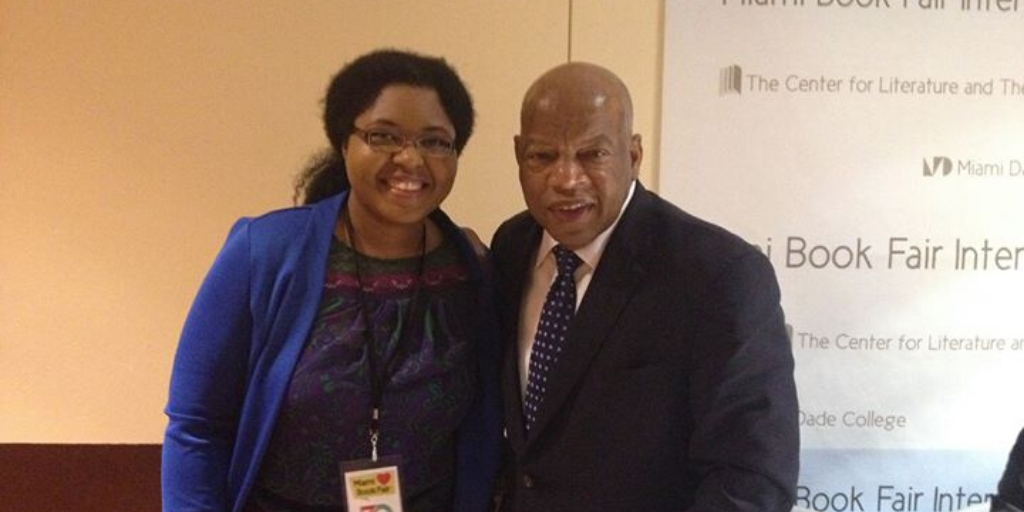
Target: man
(667, 382)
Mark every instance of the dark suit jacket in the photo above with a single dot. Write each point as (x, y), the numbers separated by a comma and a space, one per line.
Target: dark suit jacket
(675, 391)
(1011, 486)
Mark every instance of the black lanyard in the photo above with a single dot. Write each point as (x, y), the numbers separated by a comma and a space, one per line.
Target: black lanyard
(378, 379)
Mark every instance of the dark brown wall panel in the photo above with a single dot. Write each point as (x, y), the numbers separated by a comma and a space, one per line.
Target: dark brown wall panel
(79, 478)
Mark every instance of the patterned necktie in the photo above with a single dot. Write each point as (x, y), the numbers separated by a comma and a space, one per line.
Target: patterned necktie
(559, 308)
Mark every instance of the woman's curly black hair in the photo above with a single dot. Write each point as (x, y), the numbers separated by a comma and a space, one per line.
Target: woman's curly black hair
(355, 88)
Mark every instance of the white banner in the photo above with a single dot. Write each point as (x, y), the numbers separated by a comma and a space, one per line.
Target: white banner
(874, 150)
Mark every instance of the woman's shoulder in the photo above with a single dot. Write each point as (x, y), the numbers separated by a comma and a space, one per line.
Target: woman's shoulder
(468, 243)
(279, 222)
(288, 222)
(277, 233)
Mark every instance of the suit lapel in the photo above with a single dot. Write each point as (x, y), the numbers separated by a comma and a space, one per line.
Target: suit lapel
(612, 287)
(517, 265)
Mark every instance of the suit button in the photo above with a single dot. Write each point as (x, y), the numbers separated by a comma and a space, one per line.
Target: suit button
(528, 481)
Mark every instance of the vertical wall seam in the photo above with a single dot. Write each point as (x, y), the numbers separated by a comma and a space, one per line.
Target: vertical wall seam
(568, 56)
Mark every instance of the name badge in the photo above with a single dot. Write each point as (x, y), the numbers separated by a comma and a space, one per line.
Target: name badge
(372, 486)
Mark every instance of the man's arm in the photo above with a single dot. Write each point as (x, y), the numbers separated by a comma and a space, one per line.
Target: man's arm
(745, 444)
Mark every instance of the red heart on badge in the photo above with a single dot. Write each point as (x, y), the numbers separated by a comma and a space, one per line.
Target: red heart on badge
(383, 478)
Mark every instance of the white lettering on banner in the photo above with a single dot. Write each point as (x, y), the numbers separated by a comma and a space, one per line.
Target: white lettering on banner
(989, 5)
(898, 501)
(866, 4)
(796, 83)
(824, 501)
(969, 257)
(768, 3)
(973, 168)
(977, 343)
(912, 257)
(902, 253)
(846, 342)
(869, 419)
(900, 281)
(896, 85)
(889, 498)
(1012, 87)
(799, 254)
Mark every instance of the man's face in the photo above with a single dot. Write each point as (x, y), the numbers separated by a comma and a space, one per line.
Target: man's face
(576, 163)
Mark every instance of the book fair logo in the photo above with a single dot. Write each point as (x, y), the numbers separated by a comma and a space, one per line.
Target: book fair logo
(941, 165)
(972, 168)
(730, 80)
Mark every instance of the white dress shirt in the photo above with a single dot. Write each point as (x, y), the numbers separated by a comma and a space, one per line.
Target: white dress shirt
(543, 274)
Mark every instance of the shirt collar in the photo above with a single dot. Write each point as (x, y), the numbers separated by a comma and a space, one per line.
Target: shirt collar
(590, 253)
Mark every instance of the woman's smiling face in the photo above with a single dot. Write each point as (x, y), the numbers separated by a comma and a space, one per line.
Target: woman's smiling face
(400, 188)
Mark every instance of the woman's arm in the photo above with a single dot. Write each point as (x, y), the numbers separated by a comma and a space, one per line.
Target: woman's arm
(208, 384)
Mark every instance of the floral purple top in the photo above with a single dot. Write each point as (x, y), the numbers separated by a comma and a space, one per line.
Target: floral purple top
(429, 384)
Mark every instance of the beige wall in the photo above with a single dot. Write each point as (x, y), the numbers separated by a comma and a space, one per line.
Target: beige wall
(133, 133)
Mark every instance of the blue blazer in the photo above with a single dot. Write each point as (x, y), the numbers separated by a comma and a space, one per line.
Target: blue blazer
(242, 339)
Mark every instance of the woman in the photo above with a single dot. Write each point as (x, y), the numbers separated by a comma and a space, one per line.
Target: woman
(357, 325)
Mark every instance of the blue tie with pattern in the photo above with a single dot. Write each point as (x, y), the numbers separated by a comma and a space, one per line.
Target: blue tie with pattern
(559, 308)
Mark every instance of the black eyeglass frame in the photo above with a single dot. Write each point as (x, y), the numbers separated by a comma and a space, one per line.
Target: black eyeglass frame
(384, 141)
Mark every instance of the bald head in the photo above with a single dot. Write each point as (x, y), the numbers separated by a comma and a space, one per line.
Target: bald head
(578, 88)
(576, 151)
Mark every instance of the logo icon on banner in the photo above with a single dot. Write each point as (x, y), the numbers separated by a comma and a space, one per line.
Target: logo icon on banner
(938, 163)
(730, 80)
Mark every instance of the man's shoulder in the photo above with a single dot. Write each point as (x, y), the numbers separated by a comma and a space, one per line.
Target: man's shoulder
(518, 222)
(514, 230)
(666, 224)
(681, 251)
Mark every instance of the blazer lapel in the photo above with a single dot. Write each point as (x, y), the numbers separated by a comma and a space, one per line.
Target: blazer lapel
(517, 266)
(611, 288)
